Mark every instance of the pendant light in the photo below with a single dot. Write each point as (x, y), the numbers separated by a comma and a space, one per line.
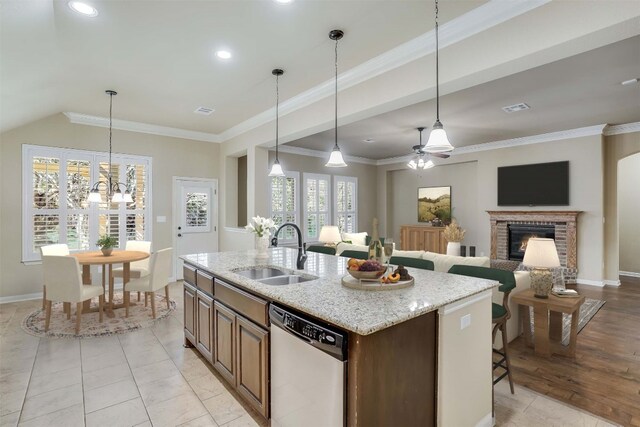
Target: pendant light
(335, 159)
(113, 188)
(418, 162)
(438, 141)
(276, 169)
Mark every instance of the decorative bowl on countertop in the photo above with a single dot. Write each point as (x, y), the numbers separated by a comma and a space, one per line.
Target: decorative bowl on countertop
(366, 275)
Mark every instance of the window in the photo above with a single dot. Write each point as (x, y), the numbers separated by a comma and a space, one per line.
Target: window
(56, 184)
(317, 199)
(346, 203)
(283, 203)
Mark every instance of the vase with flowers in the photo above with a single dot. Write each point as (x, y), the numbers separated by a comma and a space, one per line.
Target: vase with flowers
(454, 235)
(262, 228)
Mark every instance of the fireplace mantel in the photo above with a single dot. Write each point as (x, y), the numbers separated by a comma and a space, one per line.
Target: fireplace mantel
(565, 222)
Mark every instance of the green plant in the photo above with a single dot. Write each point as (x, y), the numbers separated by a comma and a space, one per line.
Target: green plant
(107, 242)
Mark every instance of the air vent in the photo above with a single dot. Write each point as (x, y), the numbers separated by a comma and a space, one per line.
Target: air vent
(515, 107)
(204, 111)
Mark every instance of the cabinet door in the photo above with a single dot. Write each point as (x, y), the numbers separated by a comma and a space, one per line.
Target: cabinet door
(190, 313)
(431, 241)
(224, 348)
(252, 350)
(204, 331)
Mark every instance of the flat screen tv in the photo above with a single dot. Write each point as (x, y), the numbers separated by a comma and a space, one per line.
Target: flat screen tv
(540, 184)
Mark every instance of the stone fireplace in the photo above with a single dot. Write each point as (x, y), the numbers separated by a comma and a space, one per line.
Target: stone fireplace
(510, 228)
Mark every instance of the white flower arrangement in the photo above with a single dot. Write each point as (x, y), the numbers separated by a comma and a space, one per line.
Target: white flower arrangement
(261, 226)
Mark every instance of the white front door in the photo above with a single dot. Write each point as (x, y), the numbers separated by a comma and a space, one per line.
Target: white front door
(195, 218)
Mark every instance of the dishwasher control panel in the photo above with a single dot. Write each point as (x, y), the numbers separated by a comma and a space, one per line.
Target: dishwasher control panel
(332, 342)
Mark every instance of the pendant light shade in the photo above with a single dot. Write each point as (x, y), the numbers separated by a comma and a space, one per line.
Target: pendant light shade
(438, 141)
(276, 168)
(418, 162)
(112, 188)
(335, 159)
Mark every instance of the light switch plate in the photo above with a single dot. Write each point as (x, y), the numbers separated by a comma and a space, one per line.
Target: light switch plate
(161, 219)
(465, 321)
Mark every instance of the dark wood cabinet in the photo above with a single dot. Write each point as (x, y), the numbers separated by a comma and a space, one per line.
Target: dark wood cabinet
(204, 329)
(252, 364)
(225, 342)
(190, 313)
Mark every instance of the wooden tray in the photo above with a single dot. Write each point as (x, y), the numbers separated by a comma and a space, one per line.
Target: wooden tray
(374, 285)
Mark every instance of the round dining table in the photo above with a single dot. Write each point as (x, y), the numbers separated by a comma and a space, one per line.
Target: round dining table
(87, 259)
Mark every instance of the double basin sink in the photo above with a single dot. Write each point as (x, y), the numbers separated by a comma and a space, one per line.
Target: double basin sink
(273, 276)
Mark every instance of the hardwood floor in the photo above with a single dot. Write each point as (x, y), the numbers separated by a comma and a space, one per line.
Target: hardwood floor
(604, 379)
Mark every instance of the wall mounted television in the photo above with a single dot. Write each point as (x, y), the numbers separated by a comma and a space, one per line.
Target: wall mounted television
(539, 184)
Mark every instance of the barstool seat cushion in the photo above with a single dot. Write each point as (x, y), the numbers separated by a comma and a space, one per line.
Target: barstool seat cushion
(497, 311)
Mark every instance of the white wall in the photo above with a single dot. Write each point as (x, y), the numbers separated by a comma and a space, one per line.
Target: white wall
(628, 210)
(479, 195)
(170, 157)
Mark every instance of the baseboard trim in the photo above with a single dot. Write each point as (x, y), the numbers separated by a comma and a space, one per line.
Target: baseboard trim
(598, 283)
(628, 274)
(614, 283)
(18, 298)
(486, 421)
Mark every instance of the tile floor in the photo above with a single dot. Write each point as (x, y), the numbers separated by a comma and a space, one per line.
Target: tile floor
(147, 378)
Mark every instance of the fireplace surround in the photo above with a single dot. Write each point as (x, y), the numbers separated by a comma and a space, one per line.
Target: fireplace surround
(563, 223)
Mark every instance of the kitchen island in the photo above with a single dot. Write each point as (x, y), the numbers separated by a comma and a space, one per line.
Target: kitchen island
(414, 354)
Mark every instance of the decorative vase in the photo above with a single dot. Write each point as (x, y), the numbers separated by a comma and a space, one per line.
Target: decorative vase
(262, 244)
(106, 251)
(453, 248)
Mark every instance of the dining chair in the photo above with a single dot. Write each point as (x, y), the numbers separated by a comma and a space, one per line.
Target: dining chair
(58, 249)
(63, 279)
(158, 278)
(424, 264)
(137, 269)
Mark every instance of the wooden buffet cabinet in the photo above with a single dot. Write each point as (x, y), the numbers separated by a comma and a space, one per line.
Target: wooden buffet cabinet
(229, 327)
(423, 238)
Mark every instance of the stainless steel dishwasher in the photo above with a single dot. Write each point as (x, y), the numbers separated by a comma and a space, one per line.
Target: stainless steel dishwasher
(308, 371)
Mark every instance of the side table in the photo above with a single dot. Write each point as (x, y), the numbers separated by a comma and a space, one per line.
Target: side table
(547, 322)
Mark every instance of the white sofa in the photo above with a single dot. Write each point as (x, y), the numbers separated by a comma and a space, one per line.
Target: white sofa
(442, 263)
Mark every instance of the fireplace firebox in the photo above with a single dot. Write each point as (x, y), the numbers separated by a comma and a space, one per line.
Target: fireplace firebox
(519, 234)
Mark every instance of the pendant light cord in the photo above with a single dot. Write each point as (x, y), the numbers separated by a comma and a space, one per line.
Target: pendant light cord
(277, 113)
(110, 131)
(336, 97)
(437, 69)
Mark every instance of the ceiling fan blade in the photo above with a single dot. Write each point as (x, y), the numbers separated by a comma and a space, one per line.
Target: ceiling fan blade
(441, 155)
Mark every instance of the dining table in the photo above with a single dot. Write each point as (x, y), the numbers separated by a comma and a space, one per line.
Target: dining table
(124, 257)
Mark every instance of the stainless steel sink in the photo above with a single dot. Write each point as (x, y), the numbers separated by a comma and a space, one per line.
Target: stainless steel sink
(286, 280)
(261, 273)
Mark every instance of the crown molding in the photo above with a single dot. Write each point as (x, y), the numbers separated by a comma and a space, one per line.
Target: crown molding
(85, 119)
(510, 143)
(490, 14)
(620, 129)
(321, 154)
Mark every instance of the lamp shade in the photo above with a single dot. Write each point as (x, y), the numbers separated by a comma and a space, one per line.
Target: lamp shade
(94, 196)
(336, 160)
(330, 234)
(541, 253)
(438, 141)
(276, 169)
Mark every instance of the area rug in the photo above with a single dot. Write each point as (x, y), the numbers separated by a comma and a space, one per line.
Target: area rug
(61, 327)
(587, 311)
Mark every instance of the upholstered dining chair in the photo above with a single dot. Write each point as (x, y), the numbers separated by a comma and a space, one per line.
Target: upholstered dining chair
(424, 264)
(158, 278)
(58, 249)
(137, 269)
(63, 279)
(355, 254)
(327, 250)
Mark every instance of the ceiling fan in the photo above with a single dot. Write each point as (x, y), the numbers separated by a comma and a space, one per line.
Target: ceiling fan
(422, 160)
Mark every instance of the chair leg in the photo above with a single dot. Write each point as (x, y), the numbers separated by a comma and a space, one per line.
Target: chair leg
(47, 318)
(78, 316)
(101, 306)
(127, 297)
(44, 297)
(503, 331)
(138, 296)
(67, 309)
(146, 299)
(153, 304)
(166, 294)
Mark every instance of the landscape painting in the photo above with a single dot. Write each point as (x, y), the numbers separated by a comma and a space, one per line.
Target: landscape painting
(434, 205)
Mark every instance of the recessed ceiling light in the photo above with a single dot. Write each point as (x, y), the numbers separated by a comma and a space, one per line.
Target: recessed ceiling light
(83, 8)
(223, 54)
(630, 82)
(283, 1)
(515, 107)
(368, 140)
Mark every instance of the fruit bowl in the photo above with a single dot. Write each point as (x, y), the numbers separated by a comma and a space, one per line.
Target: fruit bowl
(367, 275)
(365, 269)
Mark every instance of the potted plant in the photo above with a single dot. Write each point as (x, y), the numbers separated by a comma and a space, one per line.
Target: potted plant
(261, 227)
(107, 243)
(454, 235)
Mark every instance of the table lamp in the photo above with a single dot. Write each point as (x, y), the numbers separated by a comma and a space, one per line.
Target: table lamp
(541, 254)
(330, 235)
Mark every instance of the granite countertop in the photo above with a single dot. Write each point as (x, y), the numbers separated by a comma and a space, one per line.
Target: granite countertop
(362, 312)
